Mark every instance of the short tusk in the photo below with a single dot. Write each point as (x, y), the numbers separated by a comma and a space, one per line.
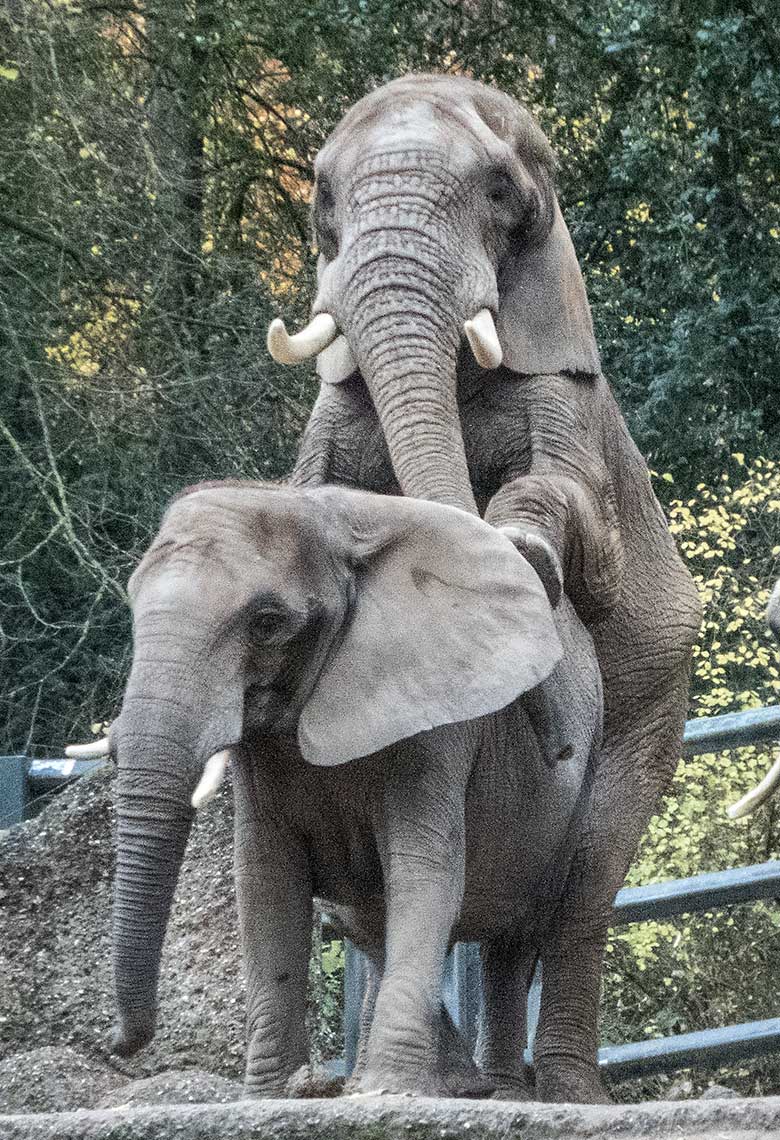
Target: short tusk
(758, 795)
(213, 775)
(89, 751)
(320, 332)
(483, 338)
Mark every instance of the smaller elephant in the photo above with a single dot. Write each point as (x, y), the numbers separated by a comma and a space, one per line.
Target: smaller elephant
(362, 659)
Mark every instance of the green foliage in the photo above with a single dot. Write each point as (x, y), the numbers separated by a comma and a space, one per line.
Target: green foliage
(326, 997)
(155, 178)
(720, 968)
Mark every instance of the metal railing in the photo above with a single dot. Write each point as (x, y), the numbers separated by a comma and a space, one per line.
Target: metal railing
(707, 1047)
(26, 785)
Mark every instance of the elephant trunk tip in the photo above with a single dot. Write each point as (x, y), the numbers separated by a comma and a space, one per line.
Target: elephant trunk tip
(127, 1040)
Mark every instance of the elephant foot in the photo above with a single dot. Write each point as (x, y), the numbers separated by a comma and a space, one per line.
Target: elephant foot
(127, 1039)
(512, 1092)
(396, 1083)
(566, 1084)
(472, 1084)
(514, 1086)
(309, 1081)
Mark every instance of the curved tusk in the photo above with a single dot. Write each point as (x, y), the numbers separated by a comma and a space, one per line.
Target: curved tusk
(758, 795)
(320, 332)
(482, 336)
(89, 751)
(213, 775)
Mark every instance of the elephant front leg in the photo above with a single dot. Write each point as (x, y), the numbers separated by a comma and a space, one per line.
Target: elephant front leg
(422, 853)
(274, 896)
(567, 536)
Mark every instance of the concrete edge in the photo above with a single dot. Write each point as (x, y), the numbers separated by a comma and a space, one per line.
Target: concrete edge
(402, 1118)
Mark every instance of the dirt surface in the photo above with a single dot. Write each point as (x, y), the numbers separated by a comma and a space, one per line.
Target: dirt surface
(400, 1118)
(56, 1011)
(55, 900)
(55, 1079)
(189, 1087)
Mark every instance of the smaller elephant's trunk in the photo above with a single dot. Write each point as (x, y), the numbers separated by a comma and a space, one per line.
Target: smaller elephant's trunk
(163, 739)
(150, 852)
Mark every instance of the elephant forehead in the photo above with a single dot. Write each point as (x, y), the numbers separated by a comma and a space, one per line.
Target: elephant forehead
(239, 526)
(410, 136)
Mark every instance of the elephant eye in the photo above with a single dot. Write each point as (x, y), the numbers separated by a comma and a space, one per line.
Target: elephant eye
(325, 199)
(269, 624)
(501, 190)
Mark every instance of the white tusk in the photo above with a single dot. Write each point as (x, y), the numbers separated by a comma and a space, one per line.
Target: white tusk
(213, 775)
(336, 362)
(318, 334)
(758, 795)
(482, 336)
(89, 751)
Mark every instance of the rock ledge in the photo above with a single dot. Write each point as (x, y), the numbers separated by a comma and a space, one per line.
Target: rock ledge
(400, 1118)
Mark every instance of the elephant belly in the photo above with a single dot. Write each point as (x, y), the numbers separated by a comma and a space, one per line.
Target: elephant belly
(521, 827)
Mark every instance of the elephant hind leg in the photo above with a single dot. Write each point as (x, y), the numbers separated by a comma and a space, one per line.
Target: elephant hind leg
(507, 970)
(633, 771)
(460, 1073)
(457, 1069)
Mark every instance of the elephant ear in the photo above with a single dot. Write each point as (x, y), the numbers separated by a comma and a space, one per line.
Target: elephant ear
(449, 622)
(544, 322)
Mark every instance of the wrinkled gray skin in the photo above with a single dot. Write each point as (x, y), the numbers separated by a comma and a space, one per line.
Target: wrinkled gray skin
(306, 627)
(435, 198)
(773, 611)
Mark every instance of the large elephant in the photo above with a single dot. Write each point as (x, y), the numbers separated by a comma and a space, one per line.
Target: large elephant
(458, 364)
(330, 639)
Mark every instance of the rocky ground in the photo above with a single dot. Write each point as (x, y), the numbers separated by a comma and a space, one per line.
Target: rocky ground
(55, 994)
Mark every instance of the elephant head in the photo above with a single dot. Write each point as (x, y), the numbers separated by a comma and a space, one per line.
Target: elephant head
(436, 218)
(349, 619)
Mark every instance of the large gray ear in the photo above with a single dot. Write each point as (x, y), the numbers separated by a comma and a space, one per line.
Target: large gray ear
(544, 322)
(449, 622)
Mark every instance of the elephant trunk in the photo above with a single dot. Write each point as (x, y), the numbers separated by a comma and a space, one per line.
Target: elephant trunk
(403, 316)
(163, 741)
(150, 847)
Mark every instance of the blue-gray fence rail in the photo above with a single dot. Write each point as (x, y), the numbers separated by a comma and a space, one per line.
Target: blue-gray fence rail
(708, 1047)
